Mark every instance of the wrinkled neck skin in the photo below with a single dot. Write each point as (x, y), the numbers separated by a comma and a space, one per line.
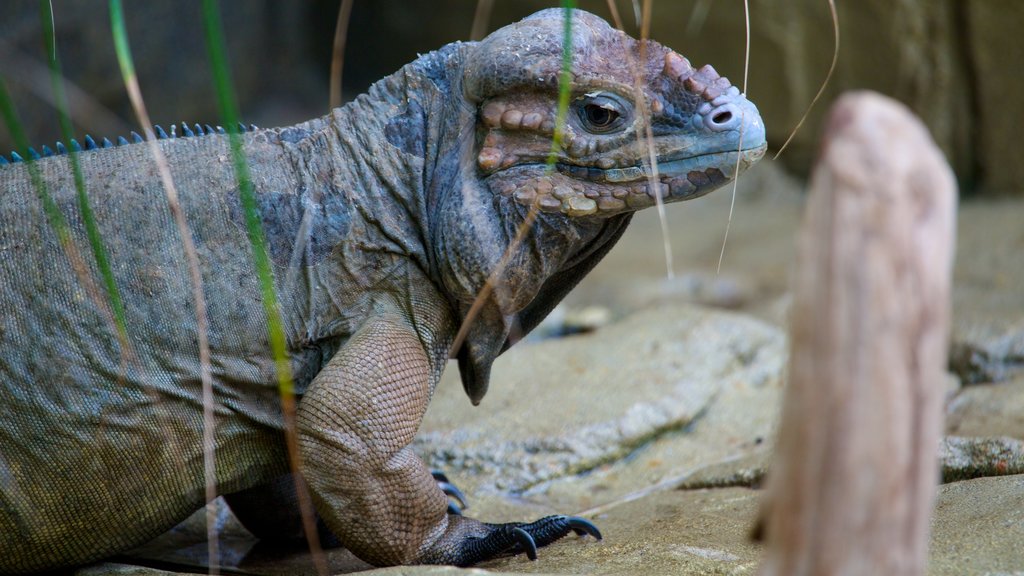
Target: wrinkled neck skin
(475, 252)
(445, 218)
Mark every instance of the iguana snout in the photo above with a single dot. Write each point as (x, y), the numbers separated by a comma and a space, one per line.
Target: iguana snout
(641, 123)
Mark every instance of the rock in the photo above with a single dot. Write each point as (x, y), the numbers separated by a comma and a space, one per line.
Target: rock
(665, 533)
(988, 410)
(117, 569)
(978, 528)
(966, 458)
(747, 471)
(960, 458)
(988, 299)
(566, 407)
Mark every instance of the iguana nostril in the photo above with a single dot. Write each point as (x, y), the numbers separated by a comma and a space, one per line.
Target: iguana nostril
(722, 117)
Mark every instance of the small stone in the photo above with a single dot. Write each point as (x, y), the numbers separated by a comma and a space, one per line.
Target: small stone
(606, 163)
(577, 206)
(620, 192)
(544, 186)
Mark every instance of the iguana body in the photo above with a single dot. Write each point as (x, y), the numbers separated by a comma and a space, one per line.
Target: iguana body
(383, 220)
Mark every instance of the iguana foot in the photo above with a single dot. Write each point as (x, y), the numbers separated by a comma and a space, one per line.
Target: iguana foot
(486, 541)
(458, 500)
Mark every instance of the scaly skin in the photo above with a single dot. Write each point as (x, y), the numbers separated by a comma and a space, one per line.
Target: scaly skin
(384, 219)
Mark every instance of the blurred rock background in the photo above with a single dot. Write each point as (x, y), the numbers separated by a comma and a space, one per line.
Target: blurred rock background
(955, 63)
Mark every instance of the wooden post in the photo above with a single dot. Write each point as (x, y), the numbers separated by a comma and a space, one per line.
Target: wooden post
(854, 482)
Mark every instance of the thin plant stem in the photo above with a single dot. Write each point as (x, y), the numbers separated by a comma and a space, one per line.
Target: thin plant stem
(124, 57)
(275, 330)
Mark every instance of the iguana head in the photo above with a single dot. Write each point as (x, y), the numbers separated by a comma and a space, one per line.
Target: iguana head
(627, 99)
(702, 126)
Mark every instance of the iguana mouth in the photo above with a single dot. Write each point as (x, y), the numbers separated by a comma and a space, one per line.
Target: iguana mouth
(589, 190)
(668, 167)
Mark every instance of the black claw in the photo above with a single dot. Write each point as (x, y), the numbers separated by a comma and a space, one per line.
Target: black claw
(33, 154)
(453, 508)
(208, 129)
(439, 476)
(220, 130)
(3, 161)
(15, 157)
(61, 148)
(525, 541)
(107, 143)
(583, 527)
(47, 151)
(74, 145)
(160, 134)
(90, 144)
(121, 141)
(135, 137)
(186, 131)
(452, 491)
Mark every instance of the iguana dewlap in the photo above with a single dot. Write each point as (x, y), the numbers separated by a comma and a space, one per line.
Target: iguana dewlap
(383, 220)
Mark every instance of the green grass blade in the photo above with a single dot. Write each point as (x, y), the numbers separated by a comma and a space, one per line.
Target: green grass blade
(229, 115)
(119, 32)
(275, 329)
(228, 108)
(92, 230)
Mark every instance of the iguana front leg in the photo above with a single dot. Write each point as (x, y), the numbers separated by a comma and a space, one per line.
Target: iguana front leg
(356, 422)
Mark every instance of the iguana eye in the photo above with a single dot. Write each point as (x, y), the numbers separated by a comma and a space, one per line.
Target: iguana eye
(600, 114)
(600, 117)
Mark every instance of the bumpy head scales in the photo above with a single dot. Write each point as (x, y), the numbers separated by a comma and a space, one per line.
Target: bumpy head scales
(702, 126)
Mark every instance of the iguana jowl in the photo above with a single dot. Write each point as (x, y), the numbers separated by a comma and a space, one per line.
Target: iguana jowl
(384, 220)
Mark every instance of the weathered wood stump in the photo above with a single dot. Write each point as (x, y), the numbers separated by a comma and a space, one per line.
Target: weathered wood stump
(854, 482)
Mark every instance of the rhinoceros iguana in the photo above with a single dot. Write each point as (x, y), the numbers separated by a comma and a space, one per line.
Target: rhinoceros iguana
(383, 220)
